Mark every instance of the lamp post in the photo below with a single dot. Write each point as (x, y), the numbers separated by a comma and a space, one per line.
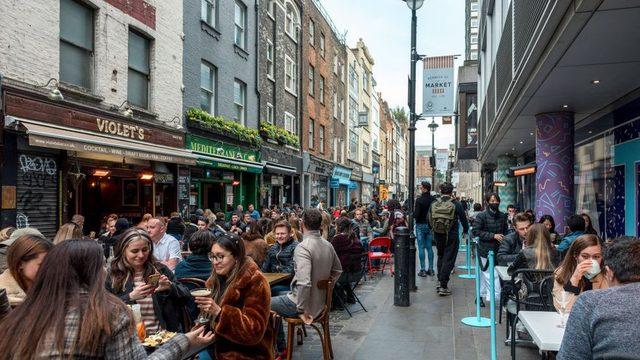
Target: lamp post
(413, 5)
(433, 127)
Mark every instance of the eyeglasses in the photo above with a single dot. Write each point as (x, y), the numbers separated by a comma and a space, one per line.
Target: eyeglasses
(213, 257)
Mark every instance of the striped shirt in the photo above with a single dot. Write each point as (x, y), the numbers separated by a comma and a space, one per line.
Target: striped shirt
(151, 322)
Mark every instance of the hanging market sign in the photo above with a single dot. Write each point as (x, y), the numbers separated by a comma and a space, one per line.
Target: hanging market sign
(218, 148)
(437, 91)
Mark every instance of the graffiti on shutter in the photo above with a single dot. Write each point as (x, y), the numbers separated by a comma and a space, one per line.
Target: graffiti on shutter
(37, 193)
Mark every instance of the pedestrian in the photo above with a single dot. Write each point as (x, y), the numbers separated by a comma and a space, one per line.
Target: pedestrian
(424, 236)
(446, 215)
(70, 314)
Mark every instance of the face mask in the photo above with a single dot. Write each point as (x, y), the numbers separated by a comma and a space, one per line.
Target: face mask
(594, 271)
(494, 207)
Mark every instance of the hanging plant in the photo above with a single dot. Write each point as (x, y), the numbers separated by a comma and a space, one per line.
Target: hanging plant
(224, 126)
(282, 136)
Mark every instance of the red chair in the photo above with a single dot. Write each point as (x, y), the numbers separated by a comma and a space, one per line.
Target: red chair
(384, 255)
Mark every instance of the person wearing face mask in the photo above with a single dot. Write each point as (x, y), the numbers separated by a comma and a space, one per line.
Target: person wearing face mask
(581, 270)
(490, 227)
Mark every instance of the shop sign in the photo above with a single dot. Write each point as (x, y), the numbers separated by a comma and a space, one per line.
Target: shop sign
(184, 180)
(161, 178)
(375, 168)
(384, 193)
(227, 166)
(353, 185)
(119, 129)
(218, 148)
(334, 183)
(342, 174)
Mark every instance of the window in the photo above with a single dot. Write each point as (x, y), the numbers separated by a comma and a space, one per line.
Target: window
(474, 23)
(290, 75)
(208, 12)
(474, 55)
(311, 80)
(291, 21)
(365, 153)
(321, 89)
(335, 104)
(335, 62)
(312, 32)
(290, 123)
(341, 71)
(322, 45)
(353, 146)
(76, 43)
(270, 67)
(353, 81)
(271, 9)
(365, 81)
(312, 126)
(207, 88)
(139, 70)
(270, 116)
(353, 112)
(341, 110)
(240, 24)
(474, 39)
(239, 98)
(474, 6)
(321, 138)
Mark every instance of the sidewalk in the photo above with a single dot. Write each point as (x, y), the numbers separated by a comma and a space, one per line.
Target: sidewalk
(429, 329)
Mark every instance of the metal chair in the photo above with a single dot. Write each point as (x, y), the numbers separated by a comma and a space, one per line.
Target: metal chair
(349, 289)
(383, 256)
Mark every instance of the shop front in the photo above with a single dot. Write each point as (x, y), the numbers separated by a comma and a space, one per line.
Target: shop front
(367, 188)
(356, 183)
(226, 175)
(339, 184)
(281, 178)
(317, 174)
(65, 159)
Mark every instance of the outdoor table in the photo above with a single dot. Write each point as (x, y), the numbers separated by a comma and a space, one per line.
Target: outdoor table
(275, 278)
(543, 328)
(502, 273)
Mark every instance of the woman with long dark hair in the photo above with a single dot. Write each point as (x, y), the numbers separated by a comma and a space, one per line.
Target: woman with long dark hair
(136, 277)
(255, 245)
(588, 225)
(24, 258)
(550, 224)
(69, 314)
(239, 307)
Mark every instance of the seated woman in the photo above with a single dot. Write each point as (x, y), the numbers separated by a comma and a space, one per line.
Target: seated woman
(550, 224)
(197, 264)
(69, 314)
(132, 276)
(254, 243)
(349, 250)
(240, 304)
(66, 232)
(24, 258)
(578, 273)
(538, 253)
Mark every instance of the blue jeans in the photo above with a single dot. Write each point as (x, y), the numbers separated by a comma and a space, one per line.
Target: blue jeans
(425, 239)
(284, 307)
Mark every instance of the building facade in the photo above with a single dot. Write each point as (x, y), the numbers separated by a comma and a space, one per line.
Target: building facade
(471, 24)
(88, 128)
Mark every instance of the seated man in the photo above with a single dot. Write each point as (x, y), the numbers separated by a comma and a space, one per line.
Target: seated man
(235, 225)
(602, 324)
(576, 227)
(314, 260)
(280, 255)
(512, 243)
(166, 248)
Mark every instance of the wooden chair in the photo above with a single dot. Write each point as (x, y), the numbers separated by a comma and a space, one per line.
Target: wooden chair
(192, 283)
(321, 320)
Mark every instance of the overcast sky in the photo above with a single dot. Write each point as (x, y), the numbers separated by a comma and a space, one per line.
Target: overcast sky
(385, 27)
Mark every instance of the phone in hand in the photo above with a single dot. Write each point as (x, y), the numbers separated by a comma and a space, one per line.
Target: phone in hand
(154, 280)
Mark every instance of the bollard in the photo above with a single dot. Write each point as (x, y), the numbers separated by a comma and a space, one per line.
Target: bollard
(412, 262)
(492, 288)
(477, 321)
(468, 275)
(401, 266)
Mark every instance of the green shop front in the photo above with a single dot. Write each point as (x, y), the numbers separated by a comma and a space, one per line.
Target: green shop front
(226, 175)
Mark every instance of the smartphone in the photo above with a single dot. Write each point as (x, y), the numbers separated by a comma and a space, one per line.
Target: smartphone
(154, 280)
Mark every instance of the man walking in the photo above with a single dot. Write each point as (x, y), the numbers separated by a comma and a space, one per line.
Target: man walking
(423, 232)
(445, 217)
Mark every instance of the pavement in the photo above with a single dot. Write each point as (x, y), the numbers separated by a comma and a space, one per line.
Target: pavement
(428, 329)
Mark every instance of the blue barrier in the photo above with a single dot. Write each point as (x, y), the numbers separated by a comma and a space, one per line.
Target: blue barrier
(492, 286)
(463, 246)
(466, 247)
(467, 266)
(478, 321)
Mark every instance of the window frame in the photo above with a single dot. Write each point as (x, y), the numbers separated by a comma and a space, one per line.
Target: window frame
(271, 9)
(311, 134)
(270, 113)
(237, 27)
(212, 92)
(312, 33)
(353, 153)
(321, 83)
(214, 14)
(139, 72)
(365, 152)
(321, 135)
(322, 45)
(311, 75)
(291, 20)
(290, 63)
(90, 52)
(270, 60)
(290, 123)
(243, 105)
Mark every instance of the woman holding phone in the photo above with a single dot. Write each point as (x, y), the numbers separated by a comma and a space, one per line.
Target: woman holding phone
(239, 307)
(136, 277)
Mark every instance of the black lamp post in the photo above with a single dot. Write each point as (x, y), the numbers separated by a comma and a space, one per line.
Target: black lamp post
(414, 5)
(433, 127)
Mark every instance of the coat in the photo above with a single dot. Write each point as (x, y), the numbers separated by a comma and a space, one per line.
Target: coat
(168, 305)
(422, 207)
(485, 226)
(255, 247)
(242, 329)
(509, 249)
(349, 252)
(14, 292)
(280, 257)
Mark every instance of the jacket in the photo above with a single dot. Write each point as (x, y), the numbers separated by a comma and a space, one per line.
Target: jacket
(526, 259)
(509, 249)
(176, 227)
(14, 292)
(194, 266)
(255, 247)
(348, 251)
(280, 257)
(597, 283)
(168, 305)
(314, 260)
(485, 226)
(460, 218)
(568, 240)
(422, 207)
(243, 330)
(189, 230)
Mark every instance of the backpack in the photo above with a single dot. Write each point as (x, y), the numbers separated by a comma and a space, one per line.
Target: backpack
(442, 215)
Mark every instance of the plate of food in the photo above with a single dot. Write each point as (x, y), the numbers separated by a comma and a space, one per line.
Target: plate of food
(158, 339)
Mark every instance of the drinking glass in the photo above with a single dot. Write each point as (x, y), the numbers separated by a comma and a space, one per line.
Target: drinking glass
(203, 318)
(562, 297)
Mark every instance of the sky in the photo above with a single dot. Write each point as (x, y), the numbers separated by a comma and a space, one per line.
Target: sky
(385, 27)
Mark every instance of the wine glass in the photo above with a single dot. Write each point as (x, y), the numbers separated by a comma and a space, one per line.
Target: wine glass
(203, 318)
(562, 297)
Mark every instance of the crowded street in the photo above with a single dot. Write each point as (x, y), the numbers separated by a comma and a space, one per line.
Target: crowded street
(319, 179)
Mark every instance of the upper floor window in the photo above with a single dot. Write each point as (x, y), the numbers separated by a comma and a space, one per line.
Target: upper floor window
(322, 50)
(207, 88)
(139, 69)
(321, 89)
(311, 80)
(271, 8)
(312, 33)
(240, 21)
(270, 115)
(474, 6)
(76, 43)
(335, 62)
(321, 139)
(365, 81)
(312, 125)
(291, 21)
(270, 64)
(209, 12)
(239, 101)
(290, 123)
(290, 75)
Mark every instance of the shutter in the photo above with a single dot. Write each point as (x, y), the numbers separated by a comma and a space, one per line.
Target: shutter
(37, 193)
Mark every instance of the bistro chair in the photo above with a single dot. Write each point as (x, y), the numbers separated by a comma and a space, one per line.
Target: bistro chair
(192, 283)
(384, 255)
(353, 278)
(321, 320)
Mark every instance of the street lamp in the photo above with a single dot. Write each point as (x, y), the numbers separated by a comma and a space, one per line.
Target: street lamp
(414, 4)
(433, 127)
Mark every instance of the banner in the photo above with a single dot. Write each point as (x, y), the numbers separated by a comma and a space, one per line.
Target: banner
(438, 86)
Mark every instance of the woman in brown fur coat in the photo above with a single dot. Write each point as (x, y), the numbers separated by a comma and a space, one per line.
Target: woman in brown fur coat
(239, 307)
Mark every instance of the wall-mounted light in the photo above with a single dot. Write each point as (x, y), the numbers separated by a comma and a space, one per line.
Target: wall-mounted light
(177, 122)
(235, 182)
(146, 176)
(124, 109)
(101, 172)
(54, 93)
